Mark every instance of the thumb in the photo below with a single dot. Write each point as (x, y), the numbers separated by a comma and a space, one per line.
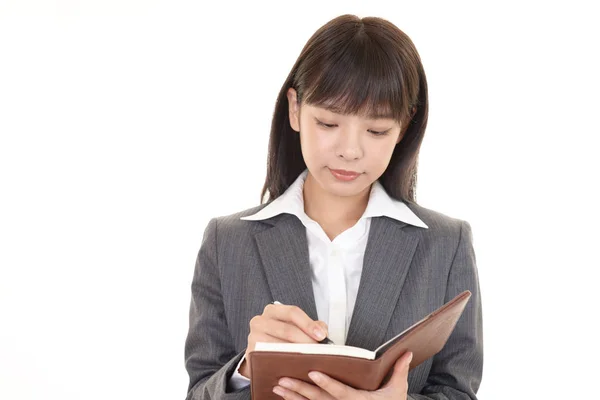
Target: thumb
(324, 326)
(400, 372)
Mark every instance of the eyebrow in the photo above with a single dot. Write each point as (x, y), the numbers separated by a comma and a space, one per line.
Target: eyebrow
(337, 110)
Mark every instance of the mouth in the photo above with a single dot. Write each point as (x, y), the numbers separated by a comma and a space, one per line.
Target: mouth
(344, 175)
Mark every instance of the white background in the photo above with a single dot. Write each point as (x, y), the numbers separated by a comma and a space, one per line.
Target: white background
(126, 125)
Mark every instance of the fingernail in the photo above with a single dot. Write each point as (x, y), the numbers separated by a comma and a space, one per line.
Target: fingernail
(285, 383)
(277, 390)
(315, 376)
(319, 333)
(410, 358)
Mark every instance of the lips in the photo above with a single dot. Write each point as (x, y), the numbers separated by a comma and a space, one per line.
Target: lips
(343, 172)
(344, 176)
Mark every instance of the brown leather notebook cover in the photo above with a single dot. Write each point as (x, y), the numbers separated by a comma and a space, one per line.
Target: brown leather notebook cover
(425, 338)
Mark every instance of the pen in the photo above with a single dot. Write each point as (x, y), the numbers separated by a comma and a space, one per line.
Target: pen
(324, 341)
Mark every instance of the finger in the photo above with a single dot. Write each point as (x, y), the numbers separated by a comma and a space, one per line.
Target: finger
(323, 325)
(269, 327)
(400, 375)
(304, 389)
(334, 388)
(286, 332)
(295, 315)
(254, 338)
(288, 394)
(265, 337)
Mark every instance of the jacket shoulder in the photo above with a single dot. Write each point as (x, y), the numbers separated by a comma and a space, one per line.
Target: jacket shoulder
(437, 221)
(232, 222)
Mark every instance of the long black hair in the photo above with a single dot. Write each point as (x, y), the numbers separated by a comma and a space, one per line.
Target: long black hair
(354, 66)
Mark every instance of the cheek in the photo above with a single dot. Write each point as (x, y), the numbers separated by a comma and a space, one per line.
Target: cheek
(315, 144)
(382, 153)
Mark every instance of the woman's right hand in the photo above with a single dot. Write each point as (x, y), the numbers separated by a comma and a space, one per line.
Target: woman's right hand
(282, 324)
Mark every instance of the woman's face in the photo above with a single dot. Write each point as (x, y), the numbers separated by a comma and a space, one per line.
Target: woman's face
(345, 154)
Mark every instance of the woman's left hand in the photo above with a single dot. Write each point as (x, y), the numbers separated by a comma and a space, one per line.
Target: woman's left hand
(327, 388)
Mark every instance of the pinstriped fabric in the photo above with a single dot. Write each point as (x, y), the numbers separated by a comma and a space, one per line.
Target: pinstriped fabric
(408, 272)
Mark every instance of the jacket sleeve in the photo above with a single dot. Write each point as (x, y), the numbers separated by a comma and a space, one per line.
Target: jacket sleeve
(457, 369)
(210, 354)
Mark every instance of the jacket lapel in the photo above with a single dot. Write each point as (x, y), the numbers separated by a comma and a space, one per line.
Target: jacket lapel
(284, 253)
(387, 259)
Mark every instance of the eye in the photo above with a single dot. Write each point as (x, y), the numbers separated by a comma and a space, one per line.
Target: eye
(325, 125)
(376, 133)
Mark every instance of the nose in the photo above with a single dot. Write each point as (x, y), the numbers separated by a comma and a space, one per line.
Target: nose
(349, 146)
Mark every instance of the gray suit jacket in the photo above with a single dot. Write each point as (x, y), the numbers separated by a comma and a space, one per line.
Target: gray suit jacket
(408, 272)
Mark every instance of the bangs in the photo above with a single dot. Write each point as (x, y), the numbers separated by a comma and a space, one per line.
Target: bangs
(362, 79)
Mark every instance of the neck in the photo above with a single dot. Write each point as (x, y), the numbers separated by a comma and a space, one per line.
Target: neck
(328, 209)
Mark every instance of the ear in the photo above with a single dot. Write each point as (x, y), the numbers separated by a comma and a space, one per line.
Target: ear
(404, 129)
(294, 109)
(401, 134)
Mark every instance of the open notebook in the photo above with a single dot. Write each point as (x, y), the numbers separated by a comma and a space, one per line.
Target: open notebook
(356, 367)
(334, 349)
